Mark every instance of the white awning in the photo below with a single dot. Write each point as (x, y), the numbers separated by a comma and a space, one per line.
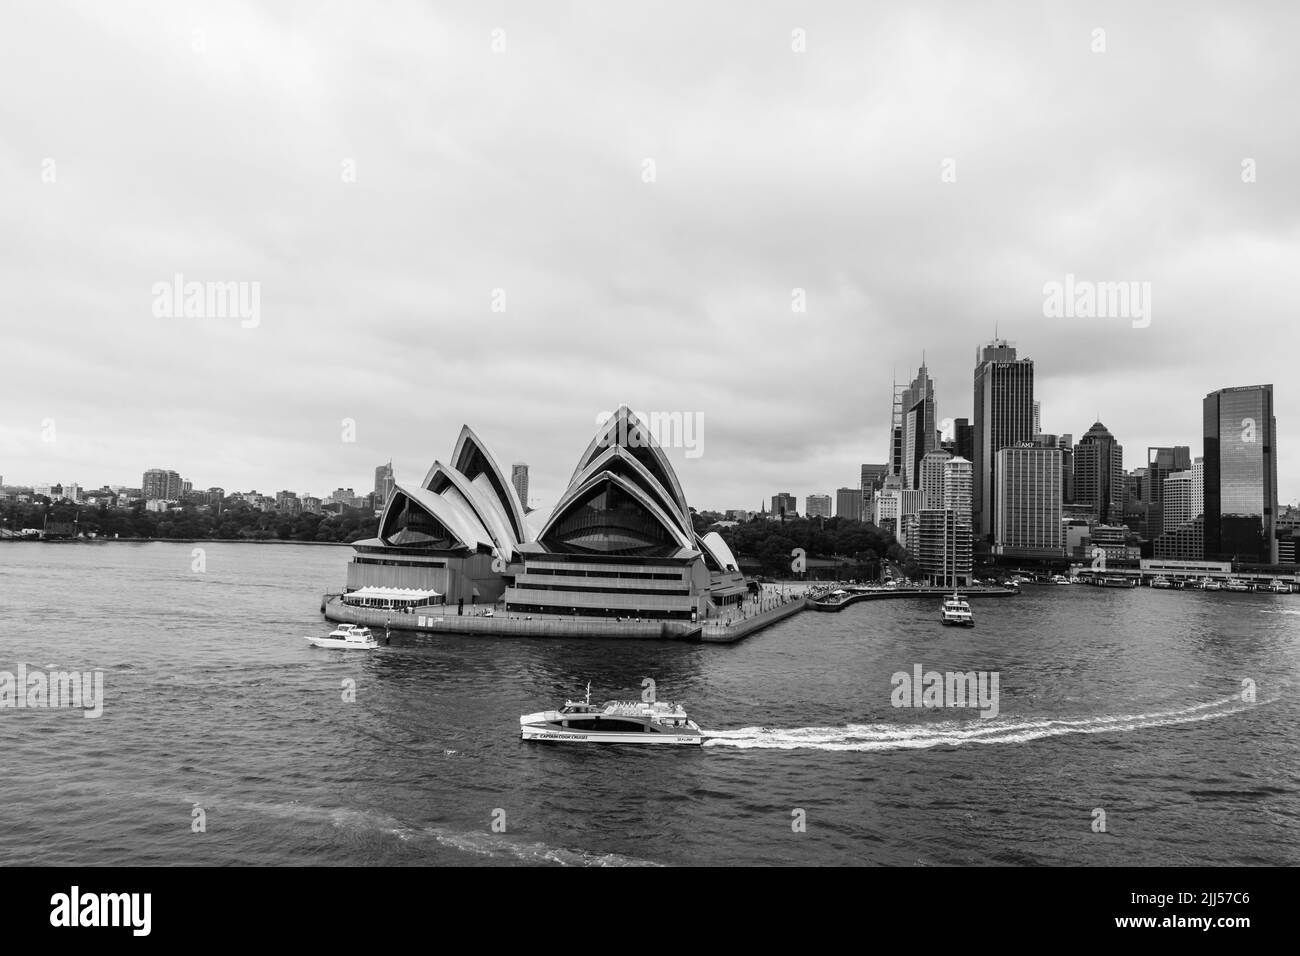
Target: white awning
(390, 594)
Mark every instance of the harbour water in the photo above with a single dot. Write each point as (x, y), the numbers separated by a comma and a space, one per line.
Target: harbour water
(1128, 702)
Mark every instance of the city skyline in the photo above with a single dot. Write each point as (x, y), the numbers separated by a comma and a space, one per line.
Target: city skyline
(805, 486)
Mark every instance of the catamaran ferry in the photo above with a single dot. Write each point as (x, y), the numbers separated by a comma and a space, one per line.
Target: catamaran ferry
(614, 722)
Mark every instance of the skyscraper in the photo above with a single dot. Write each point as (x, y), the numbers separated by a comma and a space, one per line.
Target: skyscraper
(519, 478)
(896, 431)
(1099, 475)
(919, 435)
(384, 484)
(1004, 416)
(1240, 475)
(1028, 509)
(1162, 461)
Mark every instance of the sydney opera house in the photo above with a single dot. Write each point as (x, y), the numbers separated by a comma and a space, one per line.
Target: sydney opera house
(619, 542)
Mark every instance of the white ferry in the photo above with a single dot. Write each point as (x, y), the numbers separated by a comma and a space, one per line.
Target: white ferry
(1160, 581)
(957, 612)
(613, 722)
(347, 637)
(1236, 584)
(1061, 579)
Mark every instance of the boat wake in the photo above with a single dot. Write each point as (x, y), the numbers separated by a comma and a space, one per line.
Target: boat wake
(477, 842)
(951, 733)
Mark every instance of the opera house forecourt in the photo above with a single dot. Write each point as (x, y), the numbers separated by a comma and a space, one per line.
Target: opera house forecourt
(617, 556)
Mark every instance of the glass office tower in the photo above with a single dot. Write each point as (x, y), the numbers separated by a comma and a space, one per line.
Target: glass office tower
(1240, 475)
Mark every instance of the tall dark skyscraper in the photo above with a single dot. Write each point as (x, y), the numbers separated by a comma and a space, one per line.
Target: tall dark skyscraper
(1004, 417)
(918, 426)
(1099, 474)
(1240, 475)
(963, 434)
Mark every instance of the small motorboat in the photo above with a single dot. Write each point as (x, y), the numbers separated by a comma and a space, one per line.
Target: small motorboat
(613, 722)
(956, 611)
(347, 637)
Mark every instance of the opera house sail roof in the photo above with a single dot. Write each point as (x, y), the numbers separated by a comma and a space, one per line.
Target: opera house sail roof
(465, 506)
(619, 542)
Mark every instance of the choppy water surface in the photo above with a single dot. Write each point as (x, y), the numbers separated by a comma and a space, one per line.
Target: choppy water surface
(1125, 701)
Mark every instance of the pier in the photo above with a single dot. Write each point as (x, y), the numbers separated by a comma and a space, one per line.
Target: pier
(831, 603)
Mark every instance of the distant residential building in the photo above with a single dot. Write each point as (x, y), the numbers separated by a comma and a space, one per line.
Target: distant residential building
(738, 514)
(944, 546)
(186, 486)
(1240, 474)
(161, 483)
(72, 492)
(1099, 474)
(519, 478)
(1028, 502)
(783, 503)
(848, 503)
(287, 502)
(344, 496)
(958, 488)
(930, 481)
(310, 505)
(817, 506)
(1004, 417)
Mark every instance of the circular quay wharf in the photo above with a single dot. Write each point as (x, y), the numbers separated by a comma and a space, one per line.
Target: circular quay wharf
(617, 557)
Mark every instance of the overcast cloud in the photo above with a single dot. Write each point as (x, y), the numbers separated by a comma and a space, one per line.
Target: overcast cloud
(214, 141)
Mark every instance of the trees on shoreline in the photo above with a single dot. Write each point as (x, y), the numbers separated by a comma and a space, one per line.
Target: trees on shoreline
(235, 521)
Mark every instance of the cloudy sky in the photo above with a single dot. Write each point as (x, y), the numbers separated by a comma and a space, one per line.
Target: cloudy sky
(637, 189)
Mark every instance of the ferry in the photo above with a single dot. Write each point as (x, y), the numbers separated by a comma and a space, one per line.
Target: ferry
(1236, 584)
(1160, 581)
(1061, 579)
(347, 637)
(1209, 584)
(1278, 586)
(955, 611)
(613, 722)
